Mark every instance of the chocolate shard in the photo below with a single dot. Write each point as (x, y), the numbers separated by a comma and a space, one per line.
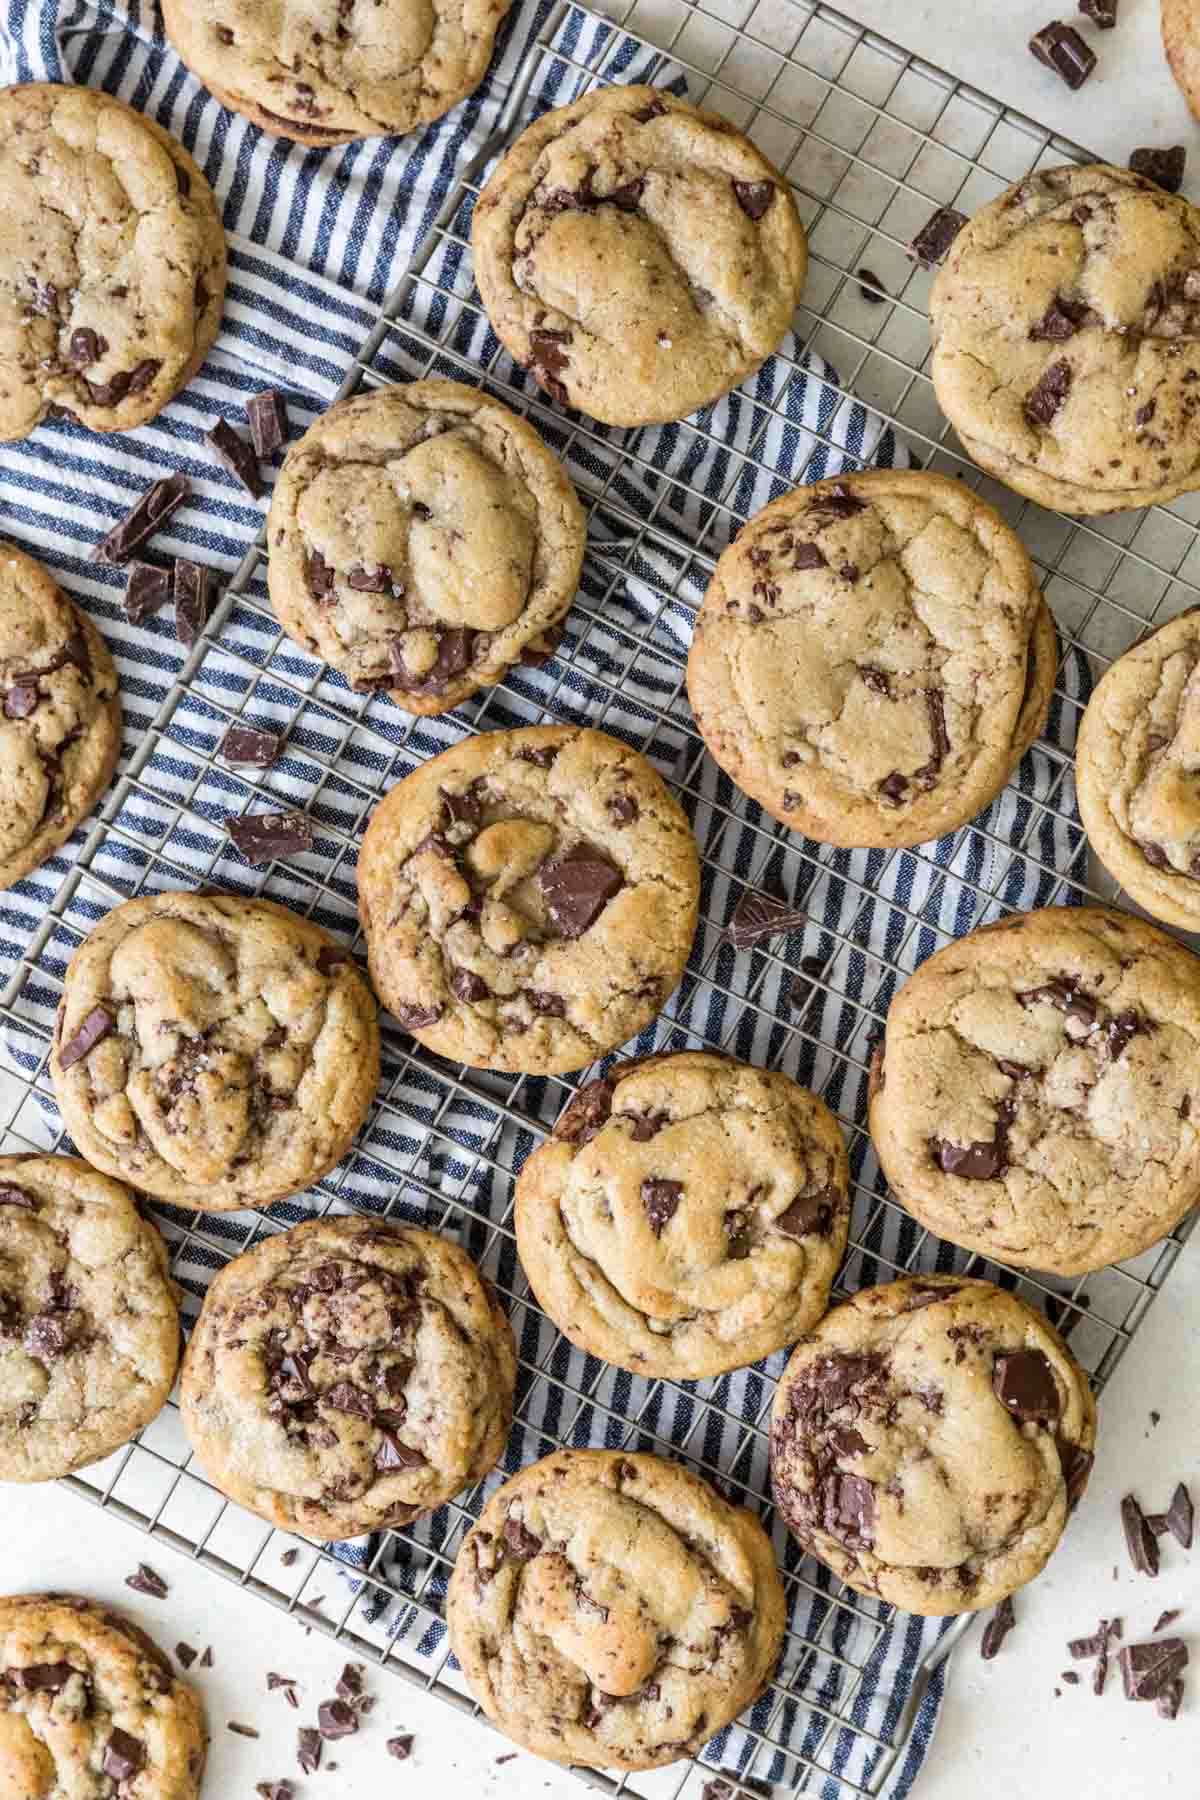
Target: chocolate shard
(191, 600)
(760, 916)
(336, 1719)
(871, 288)
(1049, 395)
(935, 237)
(661, 1199)
(1139, 1539)
(455, 649)
(147, 1581)
(997, 1628)
(754, 197)
(400, 1746)
(1061, 48)
(266, 415)
(236, 455)
(1165, 167)
(848, 1510)
(1148, 1669)
(153, 509)
(1024, 1384)
(1064, 993)
(123, 1756)
(1060, 321)
(809, 556)
(1167, 1618)
(261, 837)
(98, 1025)
(1101, 12)
(587, 1113)
(249, 747)
(577, 888)
(1181, 1517)
(41, 1678)
(147, 591)
(811, 1215)
(345, 1397)
(1170, 1698)
(308, 1749)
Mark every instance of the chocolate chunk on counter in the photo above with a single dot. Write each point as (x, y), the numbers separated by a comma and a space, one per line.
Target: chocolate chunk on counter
(1167, 1618)
(1168, 1702)
(266, 415)
(1148, 1669)
(1101, 12)
(1139, 1539)
(248, 747)
(308, 1749)
(997, 1628)
(1062, 49)
(935, 237)
(147, 591)
(400, 1746)
(261, 837)
(759, 916)
(1181, 1517)
(191, 600)
(143, 519)
(236, 455)
(1165, 167)
(94, 1029)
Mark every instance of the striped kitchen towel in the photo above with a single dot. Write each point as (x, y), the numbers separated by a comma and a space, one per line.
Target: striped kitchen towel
(318, 241)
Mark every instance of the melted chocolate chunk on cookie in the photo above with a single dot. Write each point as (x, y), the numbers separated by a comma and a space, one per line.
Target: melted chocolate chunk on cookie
(646, 1125)
(455, 649)
(124, 1756)
(1066, 994)
(894, 787)
(848, 1510)
(1049, 395)
(935, 237)
(21, 699)
(263, 837)
(810, 1215)
(392, 1454)
(754, 197)
(42, 1678)
(587, 1113)
(519, 1539)
(1123, 1027)
(318, 574)
(547, 1006)
(983, 1160)
(929, 1296)
(661, 1200)
(623, 809)
(997, 1629)
(1024, 1384)
(85, 348)
(935, 706)
(547, 360)
(577, 888)
(98, 1025)
(1060, 321)
(468, 987)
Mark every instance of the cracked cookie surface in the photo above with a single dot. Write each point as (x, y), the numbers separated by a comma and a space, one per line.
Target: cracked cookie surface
(91, 1707)
(421, 538)
(1033, 1099)
(60, 729)
(929, 1441)
(330, 71)
(613, 1610)
(1137, 770)
(687, 1216)
(872, 657)
(1065, 329)
(216, 1051)
(529, 898)
(89, 1323)
(347, 1375)
(113, 284)
(637, 256)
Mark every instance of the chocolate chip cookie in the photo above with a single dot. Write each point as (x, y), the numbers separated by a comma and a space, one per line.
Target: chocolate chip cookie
(929, 1441)
(529, 898)
(1137, 771)
(687, 1216)
(1181, 41)
(638, 257)
(60, 729)
(421, 538)
(1033, 1097)
(331, 71)
(89, 1321)
(90, 1707)
(872, 657)
(1065, 324)
(216, 1051)
(613, 1610)
(112, 288)
(348, 1374)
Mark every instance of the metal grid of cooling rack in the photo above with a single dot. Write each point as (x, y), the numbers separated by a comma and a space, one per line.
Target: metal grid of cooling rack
(872, 141)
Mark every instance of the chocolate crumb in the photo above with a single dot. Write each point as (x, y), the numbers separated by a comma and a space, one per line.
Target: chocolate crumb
(241, 1730)
(206, 1658)
(1167, 1618)
(400, 1747)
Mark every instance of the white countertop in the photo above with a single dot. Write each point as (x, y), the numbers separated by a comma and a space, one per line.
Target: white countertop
(1002, 1731)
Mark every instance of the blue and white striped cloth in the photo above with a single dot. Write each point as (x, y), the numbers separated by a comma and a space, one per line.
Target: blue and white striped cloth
(318, 239)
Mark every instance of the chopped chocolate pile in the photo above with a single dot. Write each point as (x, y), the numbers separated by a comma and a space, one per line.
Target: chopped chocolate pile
(997, 1628)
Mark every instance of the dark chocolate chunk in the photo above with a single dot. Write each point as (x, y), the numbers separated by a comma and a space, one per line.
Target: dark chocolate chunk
(345, 1397)
(1024, 1383)
(98, 1025)
(871, 288)
(1062, 49)
(123, 1756)
(810, 556)
(186, 1654)
(274, 1790)
(579, 1121)
(416, 1018)
(1165, 167)
(455, 649)
(1169, 1699)
(86, 347)
(548, 1006)
(319, 575)
(236, 1726)
(585, 1603)
(1067, 996)
(261, 837)
(147, 591)
(1154, 854)
(997, 1628)
(810, 1215)
(1139, 1539)
(249, 747)
(1167, 1618)
(979, 1161)
(754, 197)
(1148, 1669)
(623, 809)
(893, 787)
(336, 1719)
(236, 455)
(547, 360)
(22, 698)
(41, 1678)
(760, 916)
(308, 1749)
(839, 501)
(465, 985)
(15, 1196)
(206, 1657)
(929, 1296)
(661, 1199)
(191, 600)
(520, 1541)
(1101, 12)
(848, 1510)
(370, 578)
(1181, 1517)
(1046, 399)
(392, 1454)
(266, 415)
(1060, 321)
(577, 888)
(400, 1747)
(147, 1581)
(935, 237)
(47, 1335)
(876, 679)
(153, 509)
(627, 197)
(1076, 1465)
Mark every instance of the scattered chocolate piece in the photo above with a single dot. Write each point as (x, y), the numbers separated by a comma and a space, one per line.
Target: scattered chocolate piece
(511, 1756)
(236, 455)
(1167, 1618)
(1147, 1669)
(206, 1660)
(263, 836)
(759, 916)
(123, 1756)
(1165, 167)
(248, 747)
(1101, 12)
(186, 1654)
(1154, 1417)
(274, 1790)
(1139, 1539)
(1181, 1517)
(1024, 1383)
(147, 591)
(935, 237)
(519, 1538)
(400, 1747)
(336, 1719)
(1100, 1673)
(1062, 49)
(147, 1581)
(577, 888)
(266, 415)
(997, 1628)
(290, 1557)
(191, 600)
(279, 1681)
(871, 288)
(308, 1749)
(1168, 1703)
(1084, 1648)
(1070, 1676)
(241, 1730)
(153, 509)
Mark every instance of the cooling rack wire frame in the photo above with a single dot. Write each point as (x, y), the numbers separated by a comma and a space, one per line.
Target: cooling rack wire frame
(872, 140)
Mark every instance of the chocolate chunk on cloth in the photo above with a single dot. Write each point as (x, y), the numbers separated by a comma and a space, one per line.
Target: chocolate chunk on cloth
(147, 591)
(248, 746)
(266, 415)
(261, 837)
(153, 509)
(191, 601)
(236, 455)
(758, 917)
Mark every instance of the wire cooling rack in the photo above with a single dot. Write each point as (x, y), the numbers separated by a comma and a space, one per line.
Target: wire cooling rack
(872, 140)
